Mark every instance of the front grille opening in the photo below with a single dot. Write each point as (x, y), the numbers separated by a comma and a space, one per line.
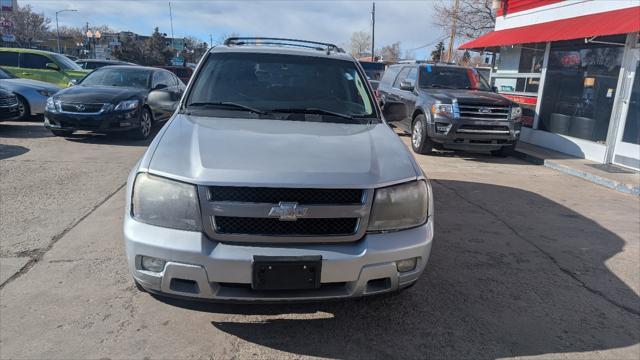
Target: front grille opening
(185, 286)
(274, 227)
(276, 195)
(377, 285)
(485, 127)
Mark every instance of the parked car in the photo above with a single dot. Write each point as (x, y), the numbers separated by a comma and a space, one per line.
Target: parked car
(450, 107)
(74, 58)
(32, 94)
(93, 64)
(374, 86)
(115, 99)
(41, 65)
(276, 180)
(8, 105)
(182, 72)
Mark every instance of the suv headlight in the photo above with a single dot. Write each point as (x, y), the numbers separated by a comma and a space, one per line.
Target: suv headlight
(163, 202)
(53, 105)
(442, 109)
(516, 113)
(400, 207)
(127, 105)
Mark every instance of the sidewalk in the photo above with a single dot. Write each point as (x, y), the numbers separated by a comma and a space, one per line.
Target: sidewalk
(611, 176)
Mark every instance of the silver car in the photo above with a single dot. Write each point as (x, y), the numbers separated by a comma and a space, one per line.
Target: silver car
(277, 179)
(32, 94)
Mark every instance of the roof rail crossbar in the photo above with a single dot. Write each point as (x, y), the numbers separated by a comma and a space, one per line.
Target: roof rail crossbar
(239, 41)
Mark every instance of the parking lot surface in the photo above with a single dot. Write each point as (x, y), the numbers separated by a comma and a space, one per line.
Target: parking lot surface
(527, 262)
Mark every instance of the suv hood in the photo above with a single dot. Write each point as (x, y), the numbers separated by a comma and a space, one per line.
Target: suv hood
(469, 96)
(259, 152)
(98, 94)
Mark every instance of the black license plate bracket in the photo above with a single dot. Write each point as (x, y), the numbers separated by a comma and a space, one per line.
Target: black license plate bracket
(286, 272)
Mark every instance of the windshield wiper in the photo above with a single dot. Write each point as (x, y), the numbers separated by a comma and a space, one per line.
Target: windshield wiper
(442, 86)
(230, 105)
(313, 111)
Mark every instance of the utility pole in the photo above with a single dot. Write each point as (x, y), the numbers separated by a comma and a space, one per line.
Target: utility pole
(453, 30)
(373, 32)
(57, 30)
(171, 19)
(210, 41)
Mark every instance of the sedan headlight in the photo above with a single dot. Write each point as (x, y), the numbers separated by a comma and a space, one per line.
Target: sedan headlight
(127, 105)
(53, 105)
(45, 92)
(400, 207)
(163, 202)
(516, 113)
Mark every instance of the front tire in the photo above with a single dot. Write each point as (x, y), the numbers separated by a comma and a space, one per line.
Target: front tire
(62, 133)
(146, 123)
(24, 111)
(420, 141)
(504, 151)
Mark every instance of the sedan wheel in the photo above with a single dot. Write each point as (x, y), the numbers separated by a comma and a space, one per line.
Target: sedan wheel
(146, 123)
(24, 113)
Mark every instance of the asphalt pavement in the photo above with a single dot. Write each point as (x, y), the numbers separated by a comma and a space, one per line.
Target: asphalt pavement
(527, 262)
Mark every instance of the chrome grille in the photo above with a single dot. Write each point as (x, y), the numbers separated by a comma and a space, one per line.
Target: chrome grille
(484, 112)
(8, 101)
(254, 214)
(81, 108)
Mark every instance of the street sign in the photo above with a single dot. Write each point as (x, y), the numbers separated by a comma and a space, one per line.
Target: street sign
(8, 38)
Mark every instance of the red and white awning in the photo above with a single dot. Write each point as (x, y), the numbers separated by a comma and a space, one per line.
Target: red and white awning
(613, 22)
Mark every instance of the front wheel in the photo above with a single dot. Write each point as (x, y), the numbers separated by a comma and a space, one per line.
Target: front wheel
(420, 142)
(144, 130)
(24, 112)
(504, 151)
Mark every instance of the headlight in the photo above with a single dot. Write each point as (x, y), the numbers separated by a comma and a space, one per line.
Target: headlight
(442, 109)
(400, 207)
(127, 105)
(53, 105)
(163, 202)
(516, 113)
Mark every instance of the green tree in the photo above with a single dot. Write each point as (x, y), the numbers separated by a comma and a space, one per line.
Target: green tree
(157, 51)
(130, 49)
(436, 54)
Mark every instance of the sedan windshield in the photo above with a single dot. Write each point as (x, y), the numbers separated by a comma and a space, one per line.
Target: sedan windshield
(66, 63)
(120, 77)
(448, 77)
(6, 75)
(276, 83)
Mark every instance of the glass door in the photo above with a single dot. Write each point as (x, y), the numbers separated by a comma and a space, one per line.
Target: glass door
(627, 148)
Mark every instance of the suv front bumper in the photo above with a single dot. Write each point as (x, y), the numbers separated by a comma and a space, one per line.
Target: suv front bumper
(465, 134)
(223, 271)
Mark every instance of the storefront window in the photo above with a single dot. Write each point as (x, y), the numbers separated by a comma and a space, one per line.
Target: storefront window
(580, 87)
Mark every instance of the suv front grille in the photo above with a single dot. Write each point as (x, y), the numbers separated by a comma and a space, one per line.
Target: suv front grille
(81, 108)
(273, 227)
(484, 112)
(276, 195)
(8, 101)
(284, 215)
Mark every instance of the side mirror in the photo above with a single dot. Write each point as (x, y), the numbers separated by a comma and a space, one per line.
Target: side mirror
(407, 85)
(494, 89)
(52, 66)
(394, 111)
(73, 82)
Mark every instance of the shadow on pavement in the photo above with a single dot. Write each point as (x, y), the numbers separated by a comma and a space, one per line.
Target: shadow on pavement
(119, 139)
(511, 274)
(9, 151)
(23, 130)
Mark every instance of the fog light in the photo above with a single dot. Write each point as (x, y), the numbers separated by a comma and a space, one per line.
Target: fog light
(406, 264)
(442, 127)
(152, 264)
(125, 124)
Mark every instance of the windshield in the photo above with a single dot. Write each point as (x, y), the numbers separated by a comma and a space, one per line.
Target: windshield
(6, 75)
(273, 83)
(120, 77)
(66, 63)
(448, 77)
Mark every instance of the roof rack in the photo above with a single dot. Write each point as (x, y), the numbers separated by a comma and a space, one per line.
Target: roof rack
(239, 41)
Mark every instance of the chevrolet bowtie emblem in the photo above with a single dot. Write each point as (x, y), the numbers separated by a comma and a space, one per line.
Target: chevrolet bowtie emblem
(288, 211)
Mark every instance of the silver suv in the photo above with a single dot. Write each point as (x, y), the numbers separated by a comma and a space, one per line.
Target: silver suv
(277, 179)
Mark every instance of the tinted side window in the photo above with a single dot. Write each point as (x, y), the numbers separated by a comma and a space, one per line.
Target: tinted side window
(8, 58)
(34, 61)
(401, 77)
(390, 75)
(162, 77)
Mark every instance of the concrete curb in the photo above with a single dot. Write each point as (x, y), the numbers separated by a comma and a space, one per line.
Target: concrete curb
(611, 184)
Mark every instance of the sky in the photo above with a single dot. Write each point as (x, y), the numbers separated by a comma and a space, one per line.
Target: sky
(328, 21)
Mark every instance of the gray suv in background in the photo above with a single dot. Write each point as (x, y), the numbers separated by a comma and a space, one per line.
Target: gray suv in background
(277, 179)
(450, 107)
